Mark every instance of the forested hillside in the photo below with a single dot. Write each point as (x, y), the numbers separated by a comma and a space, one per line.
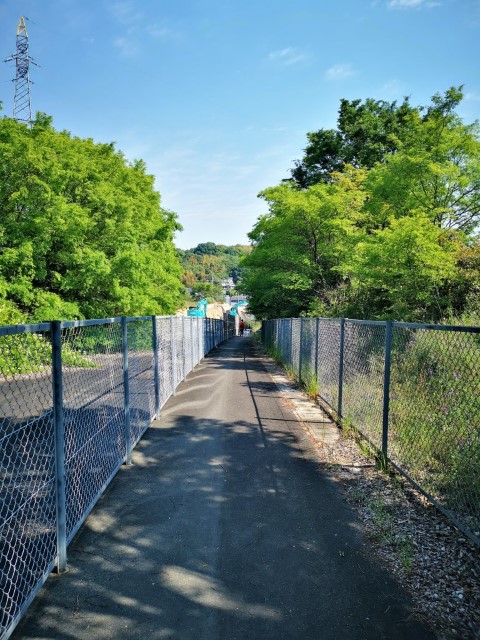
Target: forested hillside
(207, 264)
(82, 232)
(379, 219)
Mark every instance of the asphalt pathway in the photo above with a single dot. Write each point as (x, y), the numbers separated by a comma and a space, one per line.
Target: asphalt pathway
(225, 527)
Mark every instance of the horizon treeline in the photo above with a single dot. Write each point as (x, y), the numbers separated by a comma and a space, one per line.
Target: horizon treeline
(378, 220)
(207, 264)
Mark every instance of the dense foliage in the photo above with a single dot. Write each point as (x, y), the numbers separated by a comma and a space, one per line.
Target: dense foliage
(82, 233)
(383, 224)
(207, 264)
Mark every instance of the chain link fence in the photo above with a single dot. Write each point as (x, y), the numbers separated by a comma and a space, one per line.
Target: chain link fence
(412, 390)
(75, 398)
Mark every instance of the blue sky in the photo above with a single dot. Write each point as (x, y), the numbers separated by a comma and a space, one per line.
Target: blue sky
(217, 95)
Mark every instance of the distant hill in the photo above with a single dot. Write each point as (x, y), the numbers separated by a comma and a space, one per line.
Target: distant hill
(207, 264)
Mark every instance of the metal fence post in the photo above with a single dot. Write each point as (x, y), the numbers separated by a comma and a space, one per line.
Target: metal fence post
(291, 343)
(126, 392)
(156, 377)
(187, 354)
(174, 354)
(340, 368)
(59, 426)
(317, 326)
(300, 346)
(386, 387)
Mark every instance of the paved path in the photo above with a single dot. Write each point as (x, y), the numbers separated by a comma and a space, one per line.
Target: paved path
(224, 528)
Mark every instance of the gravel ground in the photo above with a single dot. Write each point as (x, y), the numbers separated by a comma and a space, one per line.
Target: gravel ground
(436, 562)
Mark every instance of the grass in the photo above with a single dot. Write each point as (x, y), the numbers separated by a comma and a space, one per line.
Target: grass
(382, 517)
(405, 551)
(310, 383)
(351, 431)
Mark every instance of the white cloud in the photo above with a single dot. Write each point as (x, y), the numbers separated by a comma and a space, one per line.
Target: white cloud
(393, 90)
(159, 32)
(125, 13)
(339, 72)
(127, 47)
(133, 23)
(474, 97)
(287, 56)
(409, 4)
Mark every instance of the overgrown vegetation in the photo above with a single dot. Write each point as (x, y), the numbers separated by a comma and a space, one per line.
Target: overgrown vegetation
(434, 413)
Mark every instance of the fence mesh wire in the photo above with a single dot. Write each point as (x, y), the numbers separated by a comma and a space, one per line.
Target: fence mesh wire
(179, 337)
(27, 471)
(433, 421)
(307, 351)
(296, 324)
(328, 354)
(94, 444)
(93, 415)
(165, 331)
(141, 377)
(363, 374)
(434, 425)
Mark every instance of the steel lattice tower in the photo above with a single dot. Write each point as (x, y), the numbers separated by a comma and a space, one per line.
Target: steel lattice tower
(22, 105)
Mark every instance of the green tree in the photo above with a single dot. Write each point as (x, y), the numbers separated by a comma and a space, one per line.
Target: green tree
(82, 231)
(298, 246)
(213, 292)
(391, 235)
(367, 132)
(435, 172)
(210, 262)
(399, 271)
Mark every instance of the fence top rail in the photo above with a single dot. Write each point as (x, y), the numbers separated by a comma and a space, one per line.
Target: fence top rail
(69, 324)
(437, 327)
(405, 325)
(138, 318)
(377, 323)
(16, 329)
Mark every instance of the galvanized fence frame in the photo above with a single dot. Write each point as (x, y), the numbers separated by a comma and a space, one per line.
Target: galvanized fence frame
(75, 398)
(411, 390)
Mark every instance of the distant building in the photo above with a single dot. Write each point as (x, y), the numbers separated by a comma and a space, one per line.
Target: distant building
(240, 298)
(227, 284)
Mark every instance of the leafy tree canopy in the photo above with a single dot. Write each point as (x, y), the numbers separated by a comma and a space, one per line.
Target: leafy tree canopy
(82, 231)
(383, 221)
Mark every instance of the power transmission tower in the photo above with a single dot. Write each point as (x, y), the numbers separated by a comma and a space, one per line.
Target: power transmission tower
(22, 105)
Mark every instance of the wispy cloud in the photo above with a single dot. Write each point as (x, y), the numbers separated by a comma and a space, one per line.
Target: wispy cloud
(413, 4)
(473, 97)
(127, 47)
(340, 71)
(393, 90)
(126, 13)
(159, 32)
(134, 23)
(287, 56)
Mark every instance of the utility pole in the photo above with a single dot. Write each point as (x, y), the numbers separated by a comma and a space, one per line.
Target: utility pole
(22, 105)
